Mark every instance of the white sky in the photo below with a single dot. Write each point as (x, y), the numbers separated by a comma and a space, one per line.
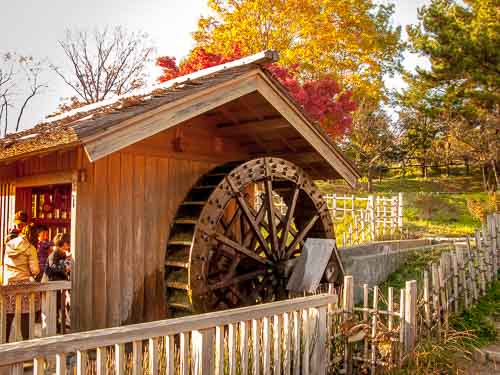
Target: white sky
(32, 27)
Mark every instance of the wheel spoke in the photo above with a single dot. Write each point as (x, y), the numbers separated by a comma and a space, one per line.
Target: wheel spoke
(289, 215)
(243, 250)
(238, 279)
(301, 236)
(270, 208)
(246, 211)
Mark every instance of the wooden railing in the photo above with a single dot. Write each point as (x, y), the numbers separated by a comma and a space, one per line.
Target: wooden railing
(48, 316)
(285, 336)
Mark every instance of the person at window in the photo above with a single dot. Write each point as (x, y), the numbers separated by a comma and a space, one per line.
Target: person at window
(20, 221)
(20, 267)
(58, 263)
(44, 246)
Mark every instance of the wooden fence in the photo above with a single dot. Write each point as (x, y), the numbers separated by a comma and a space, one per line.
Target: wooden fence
(48, 314)
(372, 218)
(308, 335)
(282, 337)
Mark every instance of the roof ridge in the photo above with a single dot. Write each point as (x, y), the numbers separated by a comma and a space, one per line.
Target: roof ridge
(263, 57)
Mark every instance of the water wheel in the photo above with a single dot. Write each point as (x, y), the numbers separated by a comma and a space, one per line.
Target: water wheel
(230, 246)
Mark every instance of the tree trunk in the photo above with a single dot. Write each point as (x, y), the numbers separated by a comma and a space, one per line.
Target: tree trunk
(483, 173)
(467, 167)
(369, 187)
(495, 174)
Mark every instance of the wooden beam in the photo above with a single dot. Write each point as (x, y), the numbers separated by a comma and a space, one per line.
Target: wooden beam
(45, 179)
(264, 126)
(314, 136)
(154, 121)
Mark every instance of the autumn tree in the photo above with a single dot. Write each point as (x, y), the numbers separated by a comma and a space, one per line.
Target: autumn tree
(323, 99)
(103, 63)
(353, 42)
(20, 82)
(461, 40)
(372, 142)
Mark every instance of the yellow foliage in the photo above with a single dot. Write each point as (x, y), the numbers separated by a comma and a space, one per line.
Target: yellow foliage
(350, 40)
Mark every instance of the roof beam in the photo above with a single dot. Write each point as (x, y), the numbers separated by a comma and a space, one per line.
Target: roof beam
(165, 117)
(252, 127)
(314, 136)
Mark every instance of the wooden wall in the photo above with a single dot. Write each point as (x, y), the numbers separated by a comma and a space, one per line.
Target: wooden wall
(124, 209)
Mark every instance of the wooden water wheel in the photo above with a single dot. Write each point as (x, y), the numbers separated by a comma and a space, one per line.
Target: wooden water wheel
(230, 246)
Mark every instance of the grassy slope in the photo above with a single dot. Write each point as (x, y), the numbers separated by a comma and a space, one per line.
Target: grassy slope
(433, 206)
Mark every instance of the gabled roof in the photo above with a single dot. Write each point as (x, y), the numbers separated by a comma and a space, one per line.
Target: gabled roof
(107, 126)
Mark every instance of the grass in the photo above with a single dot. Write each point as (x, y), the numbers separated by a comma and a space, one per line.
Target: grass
(479, 319)
(438, 206)
(468, 331)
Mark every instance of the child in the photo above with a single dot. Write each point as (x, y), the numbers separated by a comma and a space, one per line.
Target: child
(44, 246)
(56, 267)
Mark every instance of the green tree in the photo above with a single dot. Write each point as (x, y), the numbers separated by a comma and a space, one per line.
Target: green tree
(462, 41)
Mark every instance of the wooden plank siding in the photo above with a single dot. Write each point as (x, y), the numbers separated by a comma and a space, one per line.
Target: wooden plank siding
(125, 208)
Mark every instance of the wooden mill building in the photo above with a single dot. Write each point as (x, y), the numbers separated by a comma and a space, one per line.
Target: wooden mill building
(114, 175)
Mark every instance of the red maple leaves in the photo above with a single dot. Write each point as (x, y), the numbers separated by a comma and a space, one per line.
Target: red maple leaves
(323, 99)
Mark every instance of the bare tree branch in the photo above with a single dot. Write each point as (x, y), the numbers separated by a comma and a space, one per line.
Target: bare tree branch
(104, 63)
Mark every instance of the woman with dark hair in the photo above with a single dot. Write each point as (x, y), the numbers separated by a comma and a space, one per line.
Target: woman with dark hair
(58, 263)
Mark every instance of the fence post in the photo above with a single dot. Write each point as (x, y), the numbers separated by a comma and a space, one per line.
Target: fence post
(334, 206)
(348, 307)
(410, 315)
(371, 211)
(400, 211)
(203, 351)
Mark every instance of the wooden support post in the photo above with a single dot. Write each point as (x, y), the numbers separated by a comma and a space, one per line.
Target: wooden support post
(31, 316)
(435, 298)
(137, 357)
(464, 287)
(400, 211)
(244, 349)
(81, 362)
(374, 330)
(410, 315)
(363, 225)
(454, 263)
(203, 352)
(334, 208)
(266, 345)
(319, 362)
(153, 356)
(232, 348)
(365, 319)
(120, 359)
(3, 320)
(306, 335)
(390, 320)
(61, 364)
(49, 313)
(427, 308)
(402, 326)
(38, 366)
(287, 360)
(219, 350)
(101, 358)
(443, 295)
(348, 309)
(296, 342)
(255, 347)
(184, 353)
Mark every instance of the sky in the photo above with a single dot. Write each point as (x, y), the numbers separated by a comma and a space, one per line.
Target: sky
(33, 27)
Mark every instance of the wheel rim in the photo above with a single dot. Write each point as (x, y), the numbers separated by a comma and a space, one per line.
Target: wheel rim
(237, 249)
